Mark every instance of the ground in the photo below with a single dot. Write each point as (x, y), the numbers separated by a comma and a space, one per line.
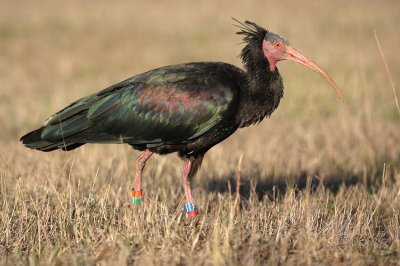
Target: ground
(320, 179)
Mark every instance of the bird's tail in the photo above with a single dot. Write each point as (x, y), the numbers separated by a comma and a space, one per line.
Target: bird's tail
(33, 140)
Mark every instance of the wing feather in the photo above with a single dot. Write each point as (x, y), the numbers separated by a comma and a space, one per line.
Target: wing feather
(168, 105)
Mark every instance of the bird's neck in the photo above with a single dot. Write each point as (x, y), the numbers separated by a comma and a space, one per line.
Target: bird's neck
(263, 92)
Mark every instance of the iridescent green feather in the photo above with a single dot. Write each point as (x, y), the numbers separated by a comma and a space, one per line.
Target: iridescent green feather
(173, 104)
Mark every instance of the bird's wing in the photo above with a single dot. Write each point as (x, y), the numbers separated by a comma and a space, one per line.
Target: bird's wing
(170, 105)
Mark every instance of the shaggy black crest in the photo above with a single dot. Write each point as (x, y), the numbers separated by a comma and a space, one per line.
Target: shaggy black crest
(252, 32)
(252, 55)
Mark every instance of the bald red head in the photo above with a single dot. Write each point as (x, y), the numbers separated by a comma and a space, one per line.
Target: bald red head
(275, 49)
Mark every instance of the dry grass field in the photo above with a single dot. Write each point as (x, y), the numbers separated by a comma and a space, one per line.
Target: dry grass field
(320, 179)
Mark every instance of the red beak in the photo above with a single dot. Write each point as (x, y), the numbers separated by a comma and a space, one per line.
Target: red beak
(296, 56)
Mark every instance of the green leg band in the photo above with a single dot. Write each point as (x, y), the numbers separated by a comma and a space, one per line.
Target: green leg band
(136, 200)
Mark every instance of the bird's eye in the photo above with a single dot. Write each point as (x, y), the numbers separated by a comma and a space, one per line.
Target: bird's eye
(278, 45)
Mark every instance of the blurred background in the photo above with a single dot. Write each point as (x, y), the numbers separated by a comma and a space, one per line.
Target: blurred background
(73, 208)
(54, 52)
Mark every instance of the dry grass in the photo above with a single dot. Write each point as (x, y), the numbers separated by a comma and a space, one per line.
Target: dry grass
(320, 179)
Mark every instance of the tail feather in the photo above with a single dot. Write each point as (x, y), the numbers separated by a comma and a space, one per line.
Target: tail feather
(84, 121)
(33, 140)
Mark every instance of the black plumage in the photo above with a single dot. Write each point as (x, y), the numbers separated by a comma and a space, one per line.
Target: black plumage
(185, 108)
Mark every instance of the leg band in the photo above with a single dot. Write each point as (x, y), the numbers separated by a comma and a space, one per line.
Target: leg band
(190, 210)
(136, 196)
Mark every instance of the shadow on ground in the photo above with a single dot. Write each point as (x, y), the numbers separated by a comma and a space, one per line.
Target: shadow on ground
(276, 186)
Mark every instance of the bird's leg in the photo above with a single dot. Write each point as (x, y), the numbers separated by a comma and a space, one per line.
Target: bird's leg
(189, 208)
(187, 165)
(136, 194)
(189, 170)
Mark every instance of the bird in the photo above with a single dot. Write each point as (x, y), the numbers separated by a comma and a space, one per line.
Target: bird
(185, 108)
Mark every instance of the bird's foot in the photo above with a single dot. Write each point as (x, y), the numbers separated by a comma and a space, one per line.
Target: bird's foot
(136, 196)
(190, 210)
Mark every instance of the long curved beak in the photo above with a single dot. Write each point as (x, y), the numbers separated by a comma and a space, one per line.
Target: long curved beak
(296, 56)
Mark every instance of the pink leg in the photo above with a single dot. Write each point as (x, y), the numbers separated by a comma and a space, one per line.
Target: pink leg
(189, 208)
(136, 195)
(187, 165)
(140, 164)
